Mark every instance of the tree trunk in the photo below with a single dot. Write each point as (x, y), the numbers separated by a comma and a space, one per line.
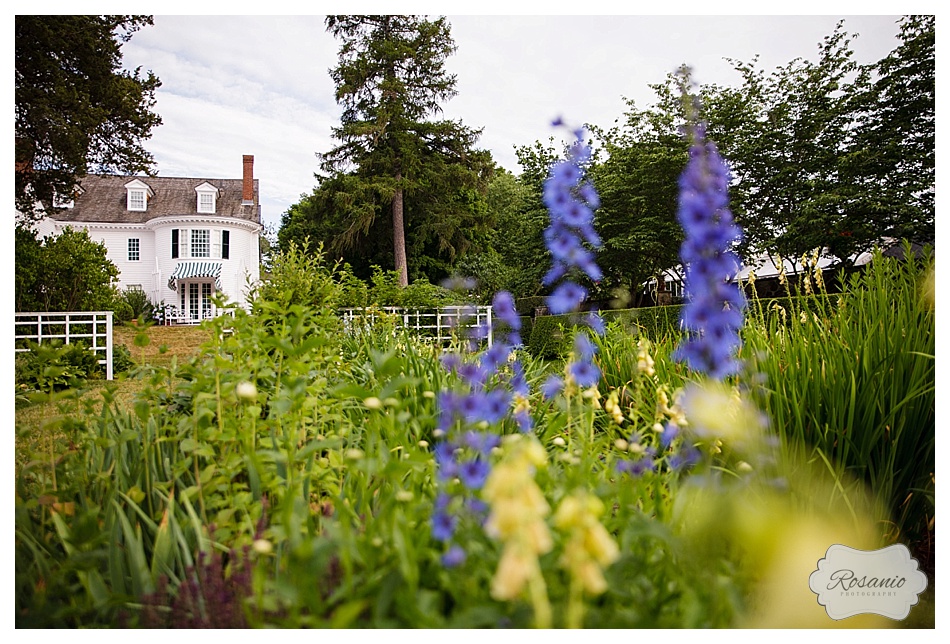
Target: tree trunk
(399, 235)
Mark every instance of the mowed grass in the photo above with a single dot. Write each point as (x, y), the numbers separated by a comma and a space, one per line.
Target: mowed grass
(163, 342)
(42, 427)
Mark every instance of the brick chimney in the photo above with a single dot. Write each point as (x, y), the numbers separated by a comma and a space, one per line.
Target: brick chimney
(247, 195)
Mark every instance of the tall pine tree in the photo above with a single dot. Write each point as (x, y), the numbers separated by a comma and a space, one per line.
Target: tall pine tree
(390, 79)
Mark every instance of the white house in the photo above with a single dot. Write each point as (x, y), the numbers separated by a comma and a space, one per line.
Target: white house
(180, 240)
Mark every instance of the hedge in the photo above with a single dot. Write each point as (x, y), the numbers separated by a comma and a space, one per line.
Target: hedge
(548, 339)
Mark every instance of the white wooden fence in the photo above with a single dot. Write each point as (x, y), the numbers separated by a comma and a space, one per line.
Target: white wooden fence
(435, 324)
(94, 327)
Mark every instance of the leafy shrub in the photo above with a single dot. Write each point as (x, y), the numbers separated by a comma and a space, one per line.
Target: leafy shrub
(122, 311)
(298, 276)
(528, 305)
(385, 291)
(141, 307)
(423, 295)
(121, 359)
(548, 338)
(54, 366)
(354, 293)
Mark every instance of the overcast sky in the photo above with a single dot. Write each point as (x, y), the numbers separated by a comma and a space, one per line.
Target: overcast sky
(235, 85)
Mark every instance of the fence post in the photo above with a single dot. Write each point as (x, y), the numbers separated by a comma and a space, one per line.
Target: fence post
(108, 345)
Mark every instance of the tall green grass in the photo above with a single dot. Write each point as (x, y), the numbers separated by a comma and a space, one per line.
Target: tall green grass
(851, 382)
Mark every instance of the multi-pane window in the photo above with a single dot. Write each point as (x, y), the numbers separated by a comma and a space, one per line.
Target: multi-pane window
(201, 243)
(205, 202)
(134, 250)
(136, 200)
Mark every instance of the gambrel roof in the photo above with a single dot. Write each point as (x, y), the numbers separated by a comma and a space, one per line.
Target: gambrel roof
(103, 199)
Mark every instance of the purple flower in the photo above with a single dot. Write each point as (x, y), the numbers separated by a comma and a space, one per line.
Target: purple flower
(497, 404)
(670, 431)
(477, 506)
(519, 384)
(503, 308)
(524, 421)
(482, 442)
(584, 349)
(585, 373)
(443, 525)
(637, 467)
(472, 373)
(713, 312)
(552, 386)
(685, 458)
(445, 459)
(496, 356)
(473, 473)
(447, 409)
(453, 557)
(595, 322)
(566, 297)
(451, 361)
(571, 202)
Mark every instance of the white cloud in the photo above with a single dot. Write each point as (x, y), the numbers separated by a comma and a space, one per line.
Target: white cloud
(259, 85)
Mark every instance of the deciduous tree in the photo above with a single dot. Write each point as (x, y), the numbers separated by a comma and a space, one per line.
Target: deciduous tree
(65, 272)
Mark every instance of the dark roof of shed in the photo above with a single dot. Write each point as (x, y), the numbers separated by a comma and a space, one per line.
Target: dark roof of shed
(103, 199)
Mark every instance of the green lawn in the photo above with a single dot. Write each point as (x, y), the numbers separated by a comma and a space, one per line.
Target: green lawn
(39, 426)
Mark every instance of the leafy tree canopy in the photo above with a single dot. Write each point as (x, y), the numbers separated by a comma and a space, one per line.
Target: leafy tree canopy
(831, 154)
(65, 272)
(76, 109)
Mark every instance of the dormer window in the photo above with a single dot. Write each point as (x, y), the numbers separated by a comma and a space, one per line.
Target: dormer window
(67, 199)
(62, 201)
(207, 198)
(138, 194)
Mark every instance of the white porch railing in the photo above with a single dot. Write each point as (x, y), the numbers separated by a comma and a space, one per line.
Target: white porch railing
(93, 326)
(436, 324)
(172, 314)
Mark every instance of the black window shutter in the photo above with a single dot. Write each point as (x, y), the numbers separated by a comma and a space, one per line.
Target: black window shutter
(225, 244)
(174, 243)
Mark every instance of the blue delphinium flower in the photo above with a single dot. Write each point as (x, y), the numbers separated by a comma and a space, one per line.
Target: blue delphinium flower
(713, 312)
(638, 467)
(491, 379)
(454, 556)
(552, 386)
(571, 239)
(571, 202)
(443, 521)
(474, 472)
(685, 458)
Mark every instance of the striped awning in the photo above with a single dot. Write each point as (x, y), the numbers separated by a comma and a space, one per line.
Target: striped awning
(195, 270)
